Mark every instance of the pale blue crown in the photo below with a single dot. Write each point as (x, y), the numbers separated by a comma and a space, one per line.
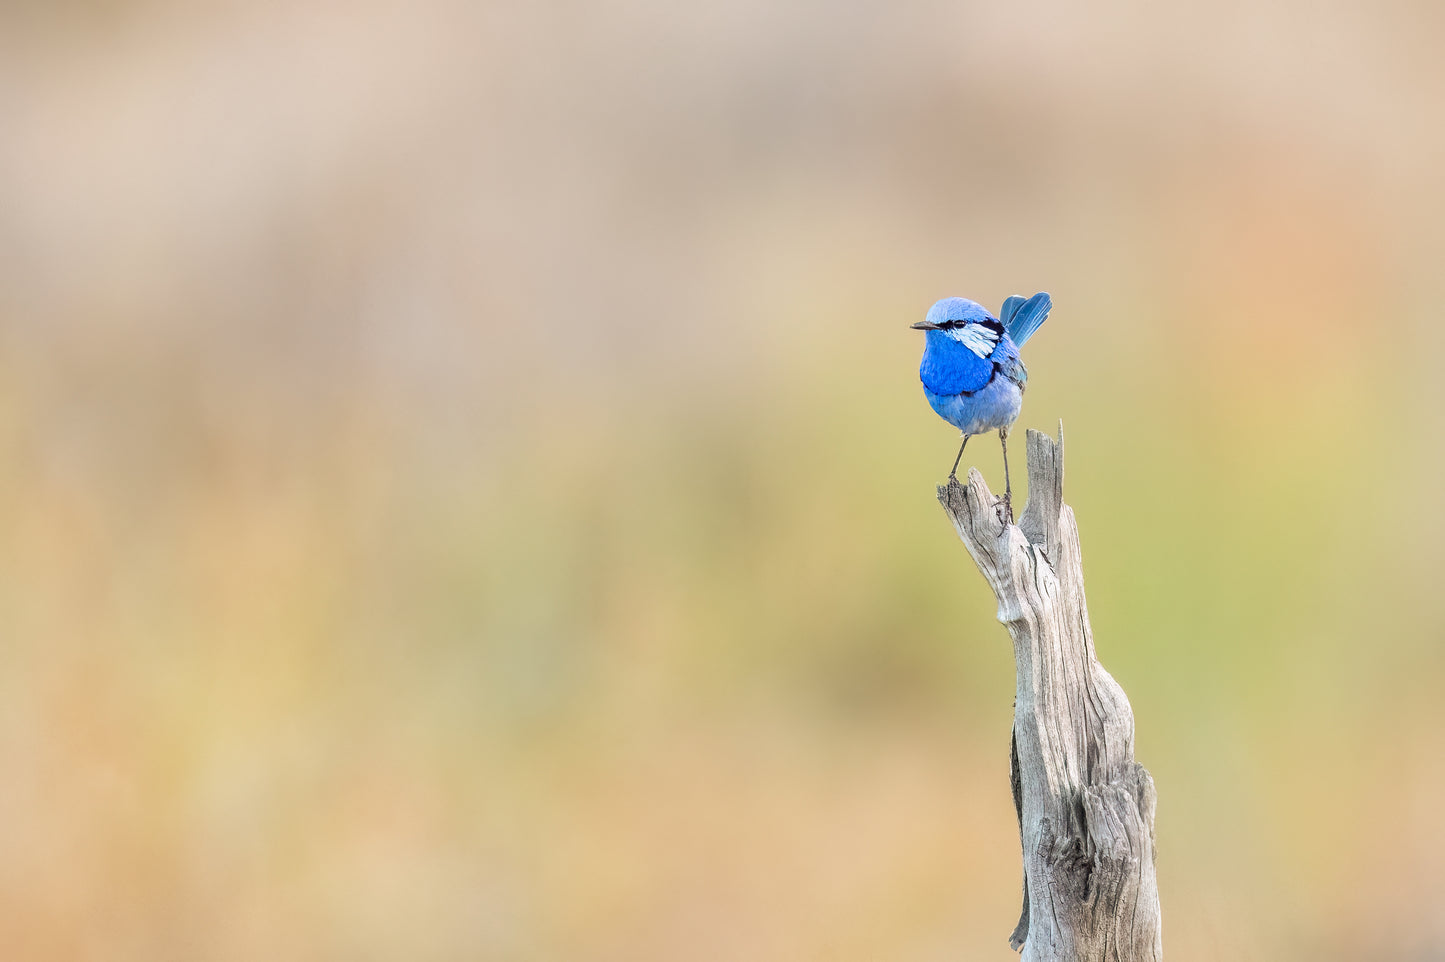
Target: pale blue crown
(957, 309)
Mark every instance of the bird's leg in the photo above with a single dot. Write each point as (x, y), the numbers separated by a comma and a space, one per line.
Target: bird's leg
(1008, 504)
(953, 472)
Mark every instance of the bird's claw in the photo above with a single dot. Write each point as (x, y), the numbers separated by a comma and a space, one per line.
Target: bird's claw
(1007, 515)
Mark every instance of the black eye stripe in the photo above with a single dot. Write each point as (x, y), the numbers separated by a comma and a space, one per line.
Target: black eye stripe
(987, 322)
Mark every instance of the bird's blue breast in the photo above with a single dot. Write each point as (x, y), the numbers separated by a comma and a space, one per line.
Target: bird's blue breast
(951, 368)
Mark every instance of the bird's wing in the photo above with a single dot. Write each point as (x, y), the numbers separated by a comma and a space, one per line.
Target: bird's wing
(950, 367)
(1025, 318)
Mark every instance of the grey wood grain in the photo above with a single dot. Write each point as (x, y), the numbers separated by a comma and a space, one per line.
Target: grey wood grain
(1086, 808)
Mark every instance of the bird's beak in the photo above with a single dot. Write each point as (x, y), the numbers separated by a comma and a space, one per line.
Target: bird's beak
(924, 326)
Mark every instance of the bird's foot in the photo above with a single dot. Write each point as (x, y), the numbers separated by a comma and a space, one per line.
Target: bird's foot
(1006, 502)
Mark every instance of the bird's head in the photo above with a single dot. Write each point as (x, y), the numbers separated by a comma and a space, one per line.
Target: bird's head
(953, 312)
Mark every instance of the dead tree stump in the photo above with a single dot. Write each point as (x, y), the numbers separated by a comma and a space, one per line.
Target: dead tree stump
(1085, 807)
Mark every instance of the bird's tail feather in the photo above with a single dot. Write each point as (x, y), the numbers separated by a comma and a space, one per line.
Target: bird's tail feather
(1022, 317)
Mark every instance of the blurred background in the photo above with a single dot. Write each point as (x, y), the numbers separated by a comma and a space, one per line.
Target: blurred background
(465, 491)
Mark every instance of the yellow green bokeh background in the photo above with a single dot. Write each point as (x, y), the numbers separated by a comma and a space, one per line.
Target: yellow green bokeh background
(465, 491)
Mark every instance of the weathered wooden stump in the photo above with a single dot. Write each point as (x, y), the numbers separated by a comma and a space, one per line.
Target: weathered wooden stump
(1086, 808)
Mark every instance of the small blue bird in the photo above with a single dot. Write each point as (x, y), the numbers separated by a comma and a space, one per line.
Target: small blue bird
(971, 372)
